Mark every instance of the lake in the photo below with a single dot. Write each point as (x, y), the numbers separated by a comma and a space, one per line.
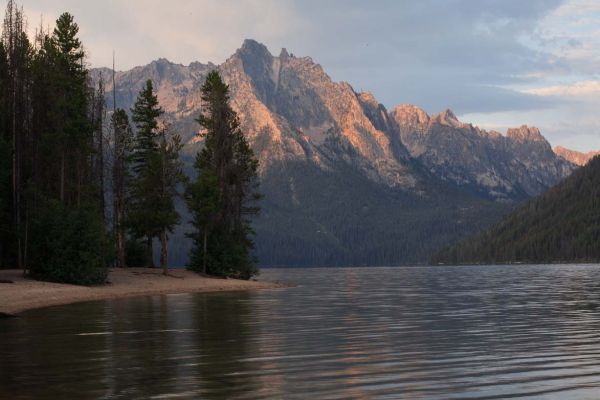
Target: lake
(489, 332)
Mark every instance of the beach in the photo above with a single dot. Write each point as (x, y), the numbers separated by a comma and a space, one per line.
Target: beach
(24, 294)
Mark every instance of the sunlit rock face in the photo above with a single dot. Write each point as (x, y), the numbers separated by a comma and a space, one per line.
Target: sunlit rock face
(575, 157)
(293, 101)
(289, 108)
(518, 165)
(346, 182)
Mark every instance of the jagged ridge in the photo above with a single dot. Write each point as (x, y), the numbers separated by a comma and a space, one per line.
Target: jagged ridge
(575, 157)
(311, 133)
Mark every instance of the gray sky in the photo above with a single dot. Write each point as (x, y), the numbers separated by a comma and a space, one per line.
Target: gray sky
(496, 63)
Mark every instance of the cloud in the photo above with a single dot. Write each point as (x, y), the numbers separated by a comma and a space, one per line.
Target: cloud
(182, 30)
(461, 52)
(492, 58)
(473, 42)
(574, 89)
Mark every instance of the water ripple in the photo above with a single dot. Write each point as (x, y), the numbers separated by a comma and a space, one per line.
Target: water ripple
(359, 333)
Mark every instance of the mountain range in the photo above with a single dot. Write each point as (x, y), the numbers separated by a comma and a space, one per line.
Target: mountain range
(575, 157)
(346, 181)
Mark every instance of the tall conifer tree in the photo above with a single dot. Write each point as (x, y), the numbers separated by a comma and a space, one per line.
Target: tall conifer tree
(122, 146)
(145, 115)
(226, 165)
(68, 238)
(5, 164)
(166, 173)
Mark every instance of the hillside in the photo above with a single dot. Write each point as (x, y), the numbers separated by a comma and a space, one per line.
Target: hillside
(342, 183)
(560, 225)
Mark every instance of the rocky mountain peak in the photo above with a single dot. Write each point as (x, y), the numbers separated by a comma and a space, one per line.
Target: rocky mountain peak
(368, 98)
(447, 117)
(409, 115)
(576, 157)
(319, 140)
(448, 114)
(161, 61)
(283, 55)
(525, 134)
(292, 110)
(251, 46)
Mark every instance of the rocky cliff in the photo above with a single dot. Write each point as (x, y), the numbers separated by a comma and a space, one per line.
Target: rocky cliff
(505, 167)
(346, 181)
(575, 157)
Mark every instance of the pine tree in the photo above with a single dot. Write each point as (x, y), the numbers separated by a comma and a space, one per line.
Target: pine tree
(122, 145)
(17, 54)
(228, 165)
(75, 131)
(166, 173)
(204, 202)
(67, 230)
(5, 164)
(145, 115)
(51, 179)
(96, 117)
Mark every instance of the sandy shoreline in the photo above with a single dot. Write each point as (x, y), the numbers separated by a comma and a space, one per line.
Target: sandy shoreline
(26, 294)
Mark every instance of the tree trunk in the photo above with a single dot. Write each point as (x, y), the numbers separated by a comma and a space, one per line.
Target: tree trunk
(26, 243)
(62, 178)
(120, 237)
(149, 252)
(16, 179)
(164, 252)
(121, 249)
(204, 250)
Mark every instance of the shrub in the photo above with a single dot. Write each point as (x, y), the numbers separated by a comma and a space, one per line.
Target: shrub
(67, 245)
(135, 253)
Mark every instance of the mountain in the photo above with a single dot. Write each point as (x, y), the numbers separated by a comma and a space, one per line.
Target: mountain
(560, 225)
(516, 166)
(343, 182)
(575, 157)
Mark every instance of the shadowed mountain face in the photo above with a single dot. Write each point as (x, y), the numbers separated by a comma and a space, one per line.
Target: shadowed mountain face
(346, 182)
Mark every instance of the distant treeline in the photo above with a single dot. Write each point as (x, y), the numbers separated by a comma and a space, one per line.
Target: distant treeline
(83, 188)
(560, 225)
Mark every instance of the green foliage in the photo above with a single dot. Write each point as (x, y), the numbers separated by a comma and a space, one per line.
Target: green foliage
(222, 199)
(67, 245)
(6, 226)
(6, 231)
(165, 173)
(158, 172)
(560, 225)
(203, 199)
(228, 254)
(135, 253)
(145, 114)
(65, 37)
(121, 180)
(48, 155)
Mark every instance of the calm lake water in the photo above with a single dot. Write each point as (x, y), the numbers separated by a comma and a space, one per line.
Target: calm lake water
(363, 333)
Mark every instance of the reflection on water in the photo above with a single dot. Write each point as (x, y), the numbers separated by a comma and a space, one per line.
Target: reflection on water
(418, 333)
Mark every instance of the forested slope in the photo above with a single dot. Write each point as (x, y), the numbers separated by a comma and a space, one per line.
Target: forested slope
(560, 225)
